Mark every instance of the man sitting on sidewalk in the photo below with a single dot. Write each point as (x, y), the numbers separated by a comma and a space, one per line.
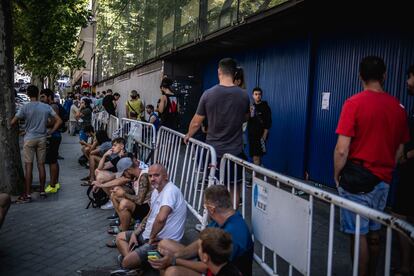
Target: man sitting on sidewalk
(130, 202)
(177, 257)
(107, 164)
(166, 220)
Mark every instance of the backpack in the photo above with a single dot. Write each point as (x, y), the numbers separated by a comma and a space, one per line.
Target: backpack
(172, 103)
(96, 199)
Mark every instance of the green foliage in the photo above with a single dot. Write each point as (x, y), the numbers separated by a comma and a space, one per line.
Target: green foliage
(46, 32)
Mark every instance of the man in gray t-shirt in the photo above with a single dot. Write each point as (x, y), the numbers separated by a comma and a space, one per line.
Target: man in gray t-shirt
(36, 115)
(226, 108)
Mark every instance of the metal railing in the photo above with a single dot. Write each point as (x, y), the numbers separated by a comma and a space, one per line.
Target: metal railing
(100, 120)
(113, 126)
(140, 137)
(196, 163)
(273, 193)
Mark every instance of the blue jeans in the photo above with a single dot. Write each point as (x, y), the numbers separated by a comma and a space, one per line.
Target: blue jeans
(83, 136)
(376, 199)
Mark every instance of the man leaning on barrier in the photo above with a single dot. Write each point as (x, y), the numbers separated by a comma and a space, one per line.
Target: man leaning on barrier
(372, 130)
(179, 259)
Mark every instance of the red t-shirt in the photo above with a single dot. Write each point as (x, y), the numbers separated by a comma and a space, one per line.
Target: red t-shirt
(377, 123)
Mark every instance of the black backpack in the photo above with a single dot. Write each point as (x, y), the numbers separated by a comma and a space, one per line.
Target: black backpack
(96, 199)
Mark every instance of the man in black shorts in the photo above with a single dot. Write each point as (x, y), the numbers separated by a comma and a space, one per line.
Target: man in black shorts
(52, 145)
(258, 126)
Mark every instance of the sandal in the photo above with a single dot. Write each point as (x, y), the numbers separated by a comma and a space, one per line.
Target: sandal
(111, 243)
(43, 194)
(86, 183)
(85, 178)
(114, 230)
(24, 199)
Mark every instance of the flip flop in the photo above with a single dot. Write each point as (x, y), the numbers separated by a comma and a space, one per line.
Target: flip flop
(111, 243)
(86, 183)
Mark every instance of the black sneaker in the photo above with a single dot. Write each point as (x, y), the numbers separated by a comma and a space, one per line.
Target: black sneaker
(113, 217)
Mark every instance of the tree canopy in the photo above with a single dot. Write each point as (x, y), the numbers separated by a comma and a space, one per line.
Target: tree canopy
(45, 34)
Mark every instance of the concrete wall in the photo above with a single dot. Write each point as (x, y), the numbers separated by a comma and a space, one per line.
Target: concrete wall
(145, 80)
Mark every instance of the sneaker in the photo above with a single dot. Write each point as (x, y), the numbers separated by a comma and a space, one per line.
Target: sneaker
(114, 216)
(51, 190)
(57, 185)
(107, 206)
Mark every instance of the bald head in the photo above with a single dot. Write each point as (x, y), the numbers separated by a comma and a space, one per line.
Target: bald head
(158, 176)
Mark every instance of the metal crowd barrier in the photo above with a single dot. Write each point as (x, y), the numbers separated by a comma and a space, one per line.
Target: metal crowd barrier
(140, 137)
(113, 126)
(196, 163)
(100, 121)
(282, 219)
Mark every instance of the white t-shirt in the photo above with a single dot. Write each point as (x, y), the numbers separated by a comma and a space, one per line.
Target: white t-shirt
(174, 227)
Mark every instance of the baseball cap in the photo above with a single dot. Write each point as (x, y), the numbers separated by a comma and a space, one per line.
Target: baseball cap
(122, 165)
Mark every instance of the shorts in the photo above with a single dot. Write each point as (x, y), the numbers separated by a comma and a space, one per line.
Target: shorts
(141, 211)
(32, 147)
(52, 150)
(239, 176)
(142, 248)
(404, 190)
(83, 136)
(376, 199)
(255, 147)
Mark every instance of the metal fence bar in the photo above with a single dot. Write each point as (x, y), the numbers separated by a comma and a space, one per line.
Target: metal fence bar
(143, 135)
(388, 252)
(299, 188)
(168, 152)
(331, 236)
(356, 245)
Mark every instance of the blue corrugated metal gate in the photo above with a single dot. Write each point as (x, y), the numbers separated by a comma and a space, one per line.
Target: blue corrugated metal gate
(336, 72)
(284, 74)
(303, 136)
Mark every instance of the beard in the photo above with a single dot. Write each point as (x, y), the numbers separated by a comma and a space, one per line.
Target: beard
(410, 91)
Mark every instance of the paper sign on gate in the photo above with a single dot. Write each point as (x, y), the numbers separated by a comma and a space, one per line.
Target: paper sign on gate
(281, 222)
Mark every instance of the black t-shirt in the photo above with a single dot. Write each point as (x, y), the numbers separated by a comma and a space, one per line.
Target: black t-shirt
(261, 120)
(229, 270)
(108, 104)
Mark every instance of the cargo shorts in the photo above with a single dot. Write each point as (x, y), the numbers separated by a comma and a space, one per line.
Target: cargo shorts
(34, 147)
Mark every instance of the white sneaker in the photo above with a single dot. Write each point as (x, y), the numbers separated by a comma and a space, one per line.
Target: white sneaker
(107, 206)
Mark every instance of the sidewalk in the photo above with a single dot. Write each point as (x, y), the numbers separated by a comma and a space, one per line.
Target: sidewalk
(57, 236)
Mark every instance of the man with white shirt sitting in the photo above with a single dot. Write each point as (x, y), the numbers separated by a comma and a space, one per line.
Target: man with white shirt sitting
(166, 220)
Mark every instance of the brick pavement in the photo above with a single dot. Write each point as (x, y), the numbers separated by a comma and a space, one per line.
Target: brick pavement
(58, 236)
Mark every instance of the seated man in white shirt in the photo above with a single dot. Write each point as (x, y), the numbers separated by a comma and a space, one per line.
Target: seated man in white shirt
(166, 220)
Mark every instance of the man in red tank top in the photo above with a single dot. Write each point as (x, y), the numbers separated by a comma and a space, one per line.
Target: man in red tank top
(371, 132)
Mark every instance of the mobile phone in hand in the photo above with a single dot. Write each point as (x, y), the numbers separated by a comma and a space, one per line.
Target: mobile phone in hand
(153, 255)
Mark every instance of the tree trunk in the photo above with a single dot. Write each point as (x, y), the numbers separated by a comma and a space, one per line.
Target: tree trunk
(11, 172)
